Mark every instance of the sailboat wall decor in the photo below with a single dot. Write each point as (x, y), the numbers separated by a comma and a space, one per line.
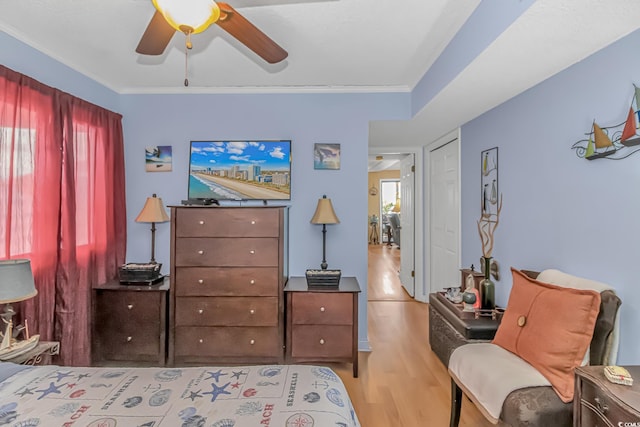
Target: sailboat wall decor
(615, 142)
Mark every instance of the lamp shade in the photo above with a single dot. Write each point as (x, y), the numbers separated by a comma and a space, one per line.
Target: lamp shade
(324, 213)
(16, 281)
(153, 211)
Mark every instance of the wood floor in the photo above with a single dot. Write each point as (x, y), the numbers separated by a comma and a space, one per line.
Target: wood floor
(401, 383)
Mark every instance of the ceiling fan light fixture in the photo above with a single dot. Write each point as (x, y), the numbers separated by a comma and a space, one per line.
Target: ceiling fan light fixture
(194, 15)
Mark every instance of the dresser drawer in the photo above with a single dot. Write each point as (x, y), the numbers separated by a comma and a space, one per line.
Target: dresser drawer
(322, 308)
(227, 341)
(226, 281)
(220, 222)
(231, 311)
(132, 309)
(226, 252)
(130, 344)
(322, 341)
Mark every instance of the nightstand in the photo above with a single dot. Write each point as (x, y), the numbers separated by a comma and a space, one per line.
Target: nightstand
(130, 323)
(322, 324)
(599, 402)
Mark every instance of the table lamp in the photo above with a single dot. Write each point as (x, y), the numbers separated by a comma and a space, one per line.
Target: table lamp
(324, 215)
(16, 284)
(153, 211)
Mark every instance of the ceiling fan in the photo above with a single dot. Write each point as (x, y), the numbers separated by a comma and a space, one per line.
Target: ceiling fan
(194, 16)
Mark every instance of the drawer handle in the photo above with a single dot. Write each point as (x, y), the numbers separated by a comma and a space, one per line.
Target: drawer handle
(252, 281)
(602, 407)
(252, 252)
(200, 311)
(201, 281)
(130, 306)
(201, 222)
(321, 341)
(252, 311)
(252, 342)
(129, 339)
(200, 340)
(322, 309)
(200, 252)
(253, 222)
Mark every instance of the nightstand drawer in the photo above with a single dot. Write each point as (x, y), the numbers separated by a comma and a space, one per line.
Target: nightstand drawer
(245, 222)
(131, 346)
(322, 341)
(226, 281)
(231, 311)
(227, 341)
(226, 252)
(600, 406)
(133, 309)
(322, 308)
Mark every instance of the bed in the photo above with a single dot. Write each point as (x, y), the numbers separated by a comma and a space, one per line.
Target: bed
(273, 395)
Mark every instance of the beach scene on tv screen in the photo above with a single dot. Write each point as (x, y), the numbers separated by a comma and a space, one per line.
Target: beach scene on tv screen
(240, 170)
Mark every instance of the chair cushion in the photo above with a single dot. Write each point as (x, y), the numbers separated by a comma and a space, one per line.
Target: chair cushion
(550, 327)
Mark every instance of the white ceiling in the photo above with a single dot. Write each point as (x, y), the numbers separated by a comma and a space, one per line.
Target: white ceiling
(333, 45)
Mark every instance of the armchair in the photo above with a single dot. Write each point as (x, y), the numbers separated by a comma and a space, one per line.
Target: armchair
(507, 388)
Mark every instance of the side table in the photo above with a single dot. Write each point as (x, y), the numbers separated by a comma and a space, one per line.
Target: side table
(322, 324)
(599, 402)
(449, 328)
(36, 355)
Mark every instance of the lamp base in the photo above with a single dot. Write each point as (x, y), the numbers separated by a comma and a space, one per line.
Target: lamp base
(323, 279)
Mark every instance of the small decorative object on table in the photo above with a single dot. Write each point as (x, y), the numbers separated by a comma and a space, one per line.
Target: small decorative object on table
(136, 274)
(618, 375)
(487, 225)
(323, 279)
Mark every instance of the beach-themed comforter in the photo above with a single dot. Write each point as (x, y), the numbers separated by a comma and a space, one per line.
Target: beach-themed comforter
(280, 395)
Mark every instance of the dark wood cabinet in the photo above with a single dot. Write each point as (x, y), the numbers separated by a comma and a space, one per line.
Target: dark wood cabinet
(130, 323)
(229, 270)
(598, 402)
(322, 324)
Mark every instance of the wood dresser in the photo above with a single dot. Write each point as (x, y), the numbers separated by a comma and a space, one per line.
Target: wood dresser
(228, 268)
(599, 402)
(130, 323)
(322, 324)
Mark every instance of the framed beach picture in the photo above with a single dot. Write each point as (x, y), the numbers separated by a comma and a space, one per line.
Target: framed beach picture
(326, 156)
(158, 158)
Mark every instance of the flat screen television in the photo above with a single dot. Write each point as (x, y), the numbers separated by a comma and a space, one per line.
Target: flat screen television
(240, 170)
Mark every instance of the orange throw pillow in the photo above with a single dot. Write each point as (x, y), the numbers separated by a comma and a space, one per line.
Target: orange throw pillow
(550, 327)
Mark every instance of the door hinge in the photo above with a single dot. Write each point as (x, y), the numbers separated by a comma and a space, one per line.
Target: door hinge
(413, 168)
(413, 273)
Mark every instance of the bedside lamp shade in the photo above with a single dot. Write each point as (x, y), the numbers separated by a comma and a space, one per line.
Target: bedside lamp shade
(153, 211)
(324, 213)
(16, 281)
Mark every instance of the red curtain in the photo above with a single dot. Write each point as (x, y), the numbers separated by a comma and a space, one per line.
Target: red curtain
(62, 204)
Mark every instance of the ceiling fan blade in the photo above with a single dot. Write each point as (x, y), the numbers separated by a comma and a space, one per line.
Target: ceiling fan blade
(156, 37)
(249, 35)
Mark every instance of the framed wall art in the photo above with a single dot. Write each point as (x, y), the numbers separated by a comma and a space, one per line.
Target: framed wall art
(489, 182)
(326, 156)
(158, 158)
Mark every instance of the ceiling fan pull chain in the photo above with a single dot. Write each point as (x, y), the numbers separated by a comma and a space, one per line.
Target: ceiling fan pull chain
(186, 67)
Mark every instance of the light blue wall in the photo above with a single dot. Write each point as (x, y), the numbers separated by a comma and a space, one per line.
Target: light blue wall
(305, 119)
(24, 59)
(560, 211)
